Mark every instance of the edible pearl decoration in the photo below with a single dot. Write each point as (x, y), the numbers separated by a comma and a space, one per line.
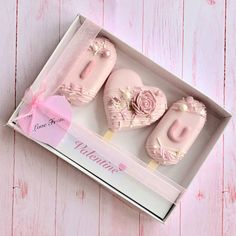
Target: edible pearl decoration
(183, 107)
(106, 53)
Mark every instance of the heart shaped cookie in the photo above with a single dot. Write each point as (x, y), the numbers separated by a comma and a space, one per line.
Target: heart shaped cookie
(130, 104)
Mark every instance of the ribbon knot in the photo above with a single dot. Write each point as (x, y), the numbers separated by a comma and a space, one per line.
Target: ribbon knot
(33, 100)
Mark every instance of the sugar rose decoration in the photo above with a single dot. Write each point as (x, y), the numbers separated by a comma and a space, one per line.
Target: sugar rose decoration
(144, 103)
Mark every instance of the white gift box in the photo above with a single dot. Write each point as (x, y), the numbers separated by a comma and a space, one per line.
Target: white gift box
(121, 164)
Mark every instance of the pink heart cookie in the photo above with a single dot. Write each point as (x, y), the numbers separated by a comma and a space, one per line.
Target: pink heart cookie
(130, 104)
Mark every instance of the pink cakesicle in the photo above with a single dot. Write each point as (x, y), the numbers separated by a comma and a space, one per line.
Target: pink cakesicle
(176, 131)
(89, 72)
(130, 104)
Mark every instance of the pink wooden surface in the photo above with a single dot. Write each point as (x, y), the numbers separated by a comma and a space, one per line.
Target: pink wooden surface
(42, 195)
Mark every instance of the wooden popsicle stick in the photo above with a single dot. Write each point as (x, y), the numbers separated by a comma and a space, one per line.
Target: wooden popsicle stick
(152, 165)
(108, 135)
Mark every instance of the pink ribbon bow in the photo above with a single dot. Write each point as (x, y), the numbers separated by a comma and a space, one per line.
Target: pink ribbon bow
(34, 102)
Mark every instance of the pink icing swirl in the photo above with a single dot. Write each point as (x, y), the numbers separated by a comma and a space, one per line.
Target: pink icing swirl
(144, 103)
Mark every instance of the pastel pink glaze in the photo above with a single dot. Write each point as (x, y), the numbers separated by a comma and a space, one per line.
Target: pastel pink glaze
(177, 131)
(84, 80)
(130, 104)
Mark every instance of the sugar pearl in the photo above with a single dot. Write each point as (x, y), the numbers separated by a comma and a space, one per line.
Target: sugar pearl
(106, 53)
(183, 107)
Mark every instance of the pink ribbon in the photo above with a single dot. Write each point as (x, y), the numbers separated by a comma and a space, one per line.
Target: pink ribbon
(34, 102)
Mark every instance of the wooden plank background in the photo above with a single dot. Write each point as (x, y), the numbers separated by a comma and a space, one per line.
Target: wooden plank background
(42, 195)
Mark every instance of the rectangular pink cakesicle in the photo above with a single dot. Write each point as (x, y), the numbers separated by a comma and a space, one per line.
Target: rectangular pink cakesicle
(177, 131)
(88, 72)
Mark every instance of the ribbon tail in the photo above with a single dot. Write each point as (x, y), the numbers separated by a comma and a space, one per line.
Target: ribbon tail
(24, 116)
(30, 123)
